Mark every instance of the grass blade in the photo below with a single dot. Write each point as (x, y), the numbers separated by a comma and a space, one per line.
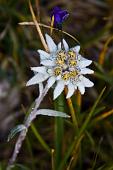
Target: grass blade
(91, 113)
(40, 139)
(80, 133)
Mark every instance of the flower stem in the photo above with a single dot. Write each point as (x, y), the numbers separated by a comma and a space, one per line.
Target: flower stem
(59, 130)
(27, 124)
(38, 101)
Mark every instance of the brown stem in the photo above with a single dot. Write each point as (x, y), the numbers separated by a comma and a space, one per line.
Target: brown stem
(27, 124)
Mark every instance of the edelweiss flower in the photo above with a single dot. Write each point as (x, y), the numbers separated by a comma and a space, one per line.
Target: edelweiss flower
(65, 67)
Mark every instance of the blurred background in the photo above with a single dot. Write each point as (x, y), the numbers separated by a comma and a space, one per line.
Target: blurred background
(91, 22)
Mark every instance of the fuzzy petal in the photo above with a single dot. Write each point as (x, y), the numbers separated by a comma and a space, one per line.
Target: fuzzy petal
(51, 81)
(58, 89)
(76, 48)
(81, 87)
(86, 71)
(71, 90)
(48, 62)
(84, 63)
(39, 69)
(52, 46)
(38, 78)
(43, 55)
(65, 45)
(58, 77)
(59, 46)
(82, 59)
(87, 82)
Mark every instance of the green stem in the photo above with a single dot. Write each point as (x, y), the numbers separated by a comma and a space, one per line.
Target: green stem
(59, 130)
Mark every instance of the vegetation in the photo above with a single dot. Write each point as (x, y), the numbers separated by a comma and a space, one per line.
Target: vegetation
(84, 141)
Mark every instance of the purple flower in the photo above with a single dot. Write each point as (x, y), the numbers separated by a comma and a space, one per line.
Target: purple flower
(59, 16)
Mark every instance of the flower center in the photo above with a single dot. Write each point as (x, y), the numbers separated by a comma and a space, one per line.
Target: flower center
(61, 57)
(72, 54)
(66, 63)
(73, 73)
(65, 76)
(72, 62)
(60, 61)
(61, 54)
(57, 71)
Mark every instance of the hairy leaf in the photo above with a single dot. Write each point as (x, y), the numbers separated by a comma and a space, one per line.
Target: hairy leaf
(15, 130)
(48, 112)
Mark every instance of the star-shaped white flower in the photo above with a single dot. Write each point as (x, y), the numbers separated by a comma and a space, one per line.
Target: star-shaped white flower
(63, 67)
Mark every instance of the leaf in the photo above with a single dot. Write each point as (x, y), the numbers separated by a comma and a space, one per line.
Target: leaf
(104, 77)
(102, 167)
(104, 51)
(19, 167)
(86, 122)
(48, 112)
(15, 130)
(99, 110)
(99, 67)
